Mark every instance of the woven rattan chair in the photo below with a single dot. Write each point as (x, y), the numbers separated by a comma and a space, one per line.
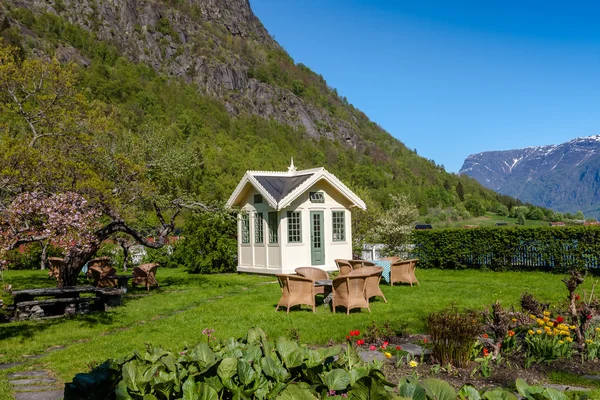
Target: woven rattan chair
(103, 277)
(343, 266)
(145, 275)
(373, 275)
(101, 264)
(315, 274)
(295, 290)
(55, 265)
(404, 271)
(356, 264)
(349, 292)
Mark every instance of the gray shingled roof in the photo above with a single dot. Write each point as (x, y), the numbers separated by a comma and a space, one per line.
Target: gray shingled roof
(280, 186)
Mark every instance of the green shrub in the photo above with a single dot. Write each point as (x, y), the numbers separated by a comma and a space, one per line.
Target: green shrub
(556, 248)
(209, 244)
(453, 334)
(253, 367)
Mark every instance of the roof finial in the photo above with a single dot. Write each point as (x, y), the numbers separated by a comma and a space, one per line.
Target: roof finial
(292, 167)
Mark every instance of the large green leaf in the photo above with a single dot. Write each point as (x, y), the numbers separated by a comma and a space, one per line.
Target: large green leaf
(327, 352)
(294, 359)
(499, 394)
(214, 382)
(149, 397)
(285, 347)
(437, 389)
(255, 335)
(336, 379)
(296, 392)
(121, 392)
(206, 392)
(468, 392)
(368, 388)
(553, 394)
(274, 370)
(245, 372)
(357, 373)
(227, 368)
(203, 355)
(313, 358)
(252, 353)
(410, 388)
(130, 376)
(189, 390)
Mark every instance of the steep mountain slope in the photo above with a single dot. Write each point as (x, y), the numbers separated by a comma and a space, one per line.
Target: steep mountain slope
(207, 75)
(563, 177)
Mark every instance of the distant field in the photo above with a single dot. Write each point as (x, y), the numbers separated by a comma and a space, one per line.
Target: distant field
(490, 219)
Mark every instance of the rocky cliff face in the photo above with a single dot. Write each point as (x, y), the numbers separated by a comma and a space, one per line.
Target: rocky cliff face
(212, 43)
(563, 177)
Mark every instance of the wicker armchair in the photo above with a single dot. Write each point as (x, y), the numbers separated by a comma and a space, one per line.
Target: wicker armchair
(101, 264)
(356, 264)
(295, 290)
(373, 275)
(315, 274)
(55, 265)
(404, 271)
(145, 274)
(349, 292)
(343, 266)
(103, 277)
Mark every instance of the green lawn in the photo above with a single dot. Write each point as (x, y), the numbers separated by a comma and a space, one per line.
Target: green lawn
(230, 304)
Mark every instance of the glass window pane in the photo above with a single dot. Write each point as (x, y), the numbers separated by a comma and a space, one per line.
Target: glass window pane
(339, 231)
(273, 228)
(258, 228)
(294, 229)
(245, 228)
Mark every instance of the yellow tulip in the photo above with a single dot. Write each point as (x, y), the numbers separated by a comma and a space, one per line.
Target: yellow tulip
(539, 331)
(531, 332)
(569, 339)
(540, 322)
(387, 355)
(589, 341)
(572, 327)
(413, 364)
(597, 329)
(561, 342)
(532, 316)
(550, 323)
(546, 319)
(546, 313)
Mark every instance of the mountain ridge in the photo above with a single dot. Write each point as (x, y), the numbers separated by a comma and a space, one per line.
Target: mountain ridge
(564, 177)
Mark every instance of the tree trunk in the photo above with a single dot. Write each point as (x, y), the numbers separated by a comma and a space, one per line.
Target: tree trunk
(125, 257)
(74, 262)
(44, 245)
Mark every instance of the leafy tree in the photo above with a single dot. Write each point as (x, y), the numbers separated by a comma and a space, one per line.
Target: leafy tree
(521, 219)
(209, 244)
(535, 213)
(66, 180)
(475, 207)
(395, 226)
(517, 210)
(502, 210)
(460, 191)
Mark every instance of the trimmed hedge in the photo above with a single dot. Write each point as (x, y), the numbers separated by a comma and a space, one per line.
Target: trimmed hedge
(515, 248)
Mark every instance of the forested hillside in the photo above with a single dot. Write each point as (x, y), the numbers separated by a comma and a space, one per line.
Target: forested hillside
(182, 97)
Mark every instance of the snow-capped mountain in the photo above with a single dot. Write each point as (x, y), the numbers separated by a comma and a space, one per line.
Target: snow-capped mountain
(564, 177)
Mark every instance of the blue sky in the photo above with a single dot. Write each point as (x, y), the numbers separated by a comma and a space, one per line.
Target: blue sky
(452, 78)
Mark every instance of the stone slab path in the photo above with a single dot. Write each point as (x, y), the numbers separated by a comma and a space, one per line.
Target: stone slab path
(35, 385)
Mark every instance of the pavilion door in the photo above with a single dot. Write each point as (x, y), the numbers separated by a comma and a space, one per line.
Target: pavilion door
(317, 248)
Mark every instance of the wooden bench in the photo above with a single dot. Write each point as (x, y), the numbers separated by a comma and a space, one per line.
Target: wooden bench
(63, 301)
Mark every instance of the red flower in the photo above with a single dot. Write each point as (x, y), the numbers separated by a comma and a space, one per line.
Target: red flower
(485, 352)
(384, 345)
(560, 319)
(589, 316)
(398, 347)
(360, 342)
(485, 336)
(372, 347)
(355, 332)
(425, 340)
(577, 297)
(347, 337)
(511, 333)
